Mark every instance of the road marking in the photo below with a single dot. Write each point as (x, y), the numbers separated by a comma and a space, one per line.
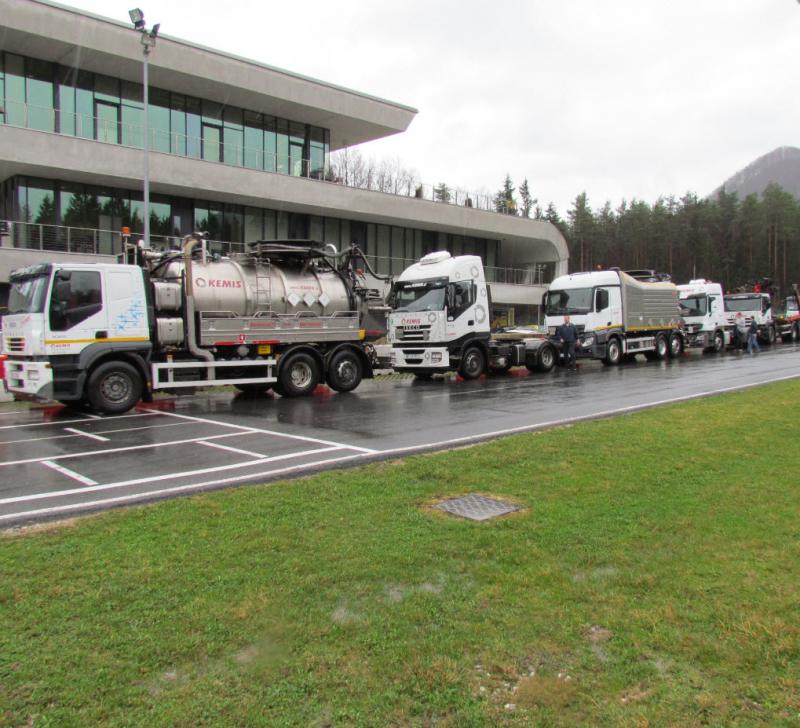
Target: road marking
(178, 489)
(76, 431)
(232, 449)
(302, 438)
(69, 473)
(88, 418)
(37, 439)
(169, 476)
(102, 432)
(110, 450)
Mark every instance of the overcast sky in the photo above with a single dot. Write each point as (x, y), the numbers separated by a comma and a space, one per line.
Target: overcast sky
(618, 98)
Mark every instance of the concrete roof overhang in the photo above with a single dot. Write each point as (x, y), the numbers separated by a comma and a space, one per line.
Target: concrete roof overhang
(56, 33)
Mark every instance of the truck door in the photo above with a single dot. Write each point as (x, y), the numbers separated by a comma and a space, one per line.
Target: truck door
(608, 306)
(76, 315)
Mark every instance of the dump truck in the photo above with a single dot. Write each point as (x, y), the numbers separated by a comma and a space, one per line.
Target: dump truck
(440, 322)
(285, 315)
(616, 315)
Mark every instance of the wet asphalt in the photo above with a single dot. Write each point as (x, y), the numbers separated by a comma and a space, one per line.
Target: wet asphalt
(56, 462)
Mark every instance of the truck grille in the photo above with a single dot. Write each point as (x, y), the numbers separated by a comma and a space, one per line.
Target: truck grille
(15, 344)
(418, 333)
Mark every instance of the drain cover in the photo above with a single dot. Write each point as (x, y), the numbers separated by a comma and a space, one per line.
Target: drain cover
(477, 507)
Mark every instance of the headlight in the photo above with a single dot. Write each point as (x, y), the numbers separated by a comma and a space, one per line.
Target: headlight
(588, 341)
(436, 357)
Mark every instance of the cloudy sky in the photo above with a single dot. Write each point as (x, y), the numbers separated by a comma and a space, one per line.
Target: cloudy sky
(618, 98)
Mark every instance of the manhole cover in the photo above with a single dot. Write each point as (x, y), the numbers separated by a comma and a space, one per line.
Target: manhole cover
(477, 507)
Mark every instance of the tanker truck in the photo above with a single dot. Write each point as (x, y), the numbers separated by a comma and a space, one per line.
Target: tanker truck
(617, 316)
(285, 315)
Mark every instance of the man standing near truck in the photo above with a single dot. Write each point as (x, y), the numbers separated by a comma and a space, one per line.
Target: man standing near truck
(568, 335)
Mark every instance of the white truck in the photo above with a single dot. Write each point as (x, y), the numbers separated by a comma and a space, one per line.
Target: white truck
(616, 315)
(440, 322)
(703, 310)
(286, 316)
(754, 305)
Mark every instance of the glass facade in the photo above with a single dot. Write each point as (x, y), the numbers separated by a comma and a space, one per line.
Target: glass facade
(86, 207)
(51, 97)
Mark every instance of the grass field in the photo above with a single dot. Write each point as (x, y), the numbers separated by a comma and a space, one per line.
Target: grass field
(652, 579)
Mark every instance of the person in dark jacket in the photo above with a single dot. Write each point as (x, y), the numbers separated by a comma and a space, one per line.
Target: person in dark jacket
(752, 337)
(568, 336)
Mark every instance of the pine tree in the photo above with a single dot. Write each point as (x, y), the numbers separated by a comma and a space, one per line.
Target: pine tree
(528, 201)
(504, 200)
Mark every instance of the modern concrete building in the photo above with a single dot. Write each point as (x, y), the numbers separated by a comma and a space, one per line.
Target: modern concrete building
(238, 148)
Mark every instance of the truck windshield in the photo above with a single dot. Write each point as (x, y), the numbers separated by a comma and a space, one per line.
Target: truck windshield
(418, 296)
(694, 306)
(27, 295)
(573, 300)
(749, 303)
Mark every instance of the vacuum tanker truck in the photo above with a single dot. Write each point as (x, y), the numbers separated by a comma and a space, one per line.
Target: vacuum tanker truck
(286, 315)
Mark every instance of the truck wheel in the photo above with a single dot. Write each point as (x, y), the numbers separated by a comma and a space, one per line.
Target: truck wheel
(547, 359)
(661, 350)
(771, 335)
(473, 363)
(298, 375)
(675, 346)
(613, 353)
(344, 371)
(719, 342)
(114, 387)
(796, 332)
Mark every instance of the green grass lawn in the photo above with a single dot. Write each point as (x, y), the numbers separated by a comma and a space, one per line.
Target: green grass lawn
(652, 579)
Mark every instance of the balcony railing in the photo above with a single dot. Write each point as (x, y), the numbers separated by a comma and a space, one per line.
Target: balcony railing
(109, 131)
(93, 241)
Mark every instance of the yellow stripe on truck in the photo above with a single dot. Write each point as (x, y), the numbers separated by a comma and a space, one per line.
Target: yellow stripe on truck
(92, 341)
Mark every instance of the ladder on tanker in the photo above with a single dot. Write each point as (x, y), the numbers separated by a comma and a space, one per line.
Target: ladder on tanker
(263, 287)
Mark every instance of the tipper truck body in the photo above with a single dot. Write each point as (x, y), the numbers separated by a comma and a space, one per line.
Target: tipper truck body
(286, 316)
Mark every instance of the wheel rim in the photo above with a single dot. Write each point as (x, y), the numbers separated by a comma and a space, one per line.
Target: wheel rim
(675, 346)
(718, 342)
(116, 387)
(613, 351)
(301, 375)
(346, 372)
(547, 357)
(661, 347)
(472, 364)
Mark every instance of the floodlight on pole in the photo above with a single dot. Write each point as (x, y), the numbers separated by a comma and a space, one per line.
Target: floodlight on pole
(148, 39)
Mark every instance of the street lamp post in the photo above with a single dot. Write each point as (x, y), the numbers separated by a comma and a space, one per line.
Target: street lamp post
(148, 38)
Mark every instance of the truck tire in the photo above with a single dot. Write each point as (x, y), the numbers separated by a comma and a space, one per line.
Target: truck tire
(796, 332)
(114, 387)
(547, 359)
(718, 344)
(771, 335)
(298, 375)
(344, 371)
(675, 346)
(473, 363)
(661, 350)
(613, 352)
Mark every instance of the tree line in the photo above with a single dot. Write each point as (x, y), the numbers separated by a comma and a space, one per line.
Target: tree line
(736, 242)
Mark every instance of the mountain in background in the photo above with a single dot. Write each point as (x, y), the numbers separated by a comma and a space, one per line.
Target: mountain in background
(782, 166)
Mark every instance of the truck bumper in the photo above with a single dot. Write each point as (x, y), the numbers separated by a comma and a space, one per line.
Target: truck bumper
(433, 358)
(700, 340)
(29, 379)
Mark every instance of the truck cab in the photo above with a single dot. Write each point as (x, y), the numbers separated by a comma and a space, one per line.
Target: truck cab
(703, 311)
(64, 319)
(440, 308)
(755, 306)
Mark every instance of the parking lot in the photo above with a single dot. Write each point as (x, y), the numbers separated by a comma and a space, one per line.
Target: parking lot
(56, 462)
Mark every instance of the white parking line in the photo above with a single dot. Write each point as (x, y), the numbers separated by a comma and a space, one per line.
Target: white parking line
(87, 418)
(167, 476)
(232, 449)
(166, 491)
(110, 450)
(302, 438)
(76, 431)
(69, 473)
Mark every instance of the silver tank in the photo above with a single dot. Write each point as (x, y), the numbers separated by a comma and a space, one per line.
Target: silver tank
(244, 288)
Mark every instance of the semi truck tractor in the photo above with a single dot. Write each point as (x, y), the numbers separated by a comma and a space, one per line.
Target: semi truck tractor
(754, 305)
(787, 322)
(285, 315)
(703, 310)
(439, 322)
(616, 315)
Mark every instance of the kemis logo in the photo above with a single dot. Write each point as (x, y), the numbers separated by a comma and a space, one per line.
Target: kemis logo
(217, 283)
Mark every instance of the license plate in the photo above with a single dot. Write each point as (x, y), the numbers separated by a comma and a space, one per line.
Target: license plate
(264, 348)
